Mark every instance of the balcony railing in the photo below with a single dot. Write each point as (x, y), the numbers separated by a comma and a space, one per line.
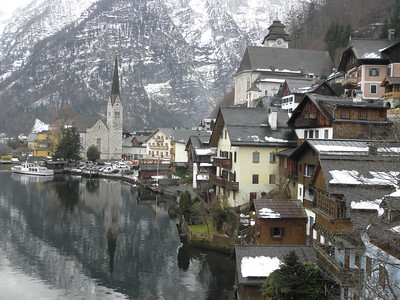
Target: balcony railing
(308, 123)
(333, 225)
(222, 162)
(350, 82)
(222, 182)
(342, 275)
(392, 95)
(158, 147)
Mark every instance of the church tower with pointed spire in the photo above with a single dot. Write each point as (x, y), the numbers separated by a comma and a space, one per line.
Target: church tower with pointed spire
(115, 117)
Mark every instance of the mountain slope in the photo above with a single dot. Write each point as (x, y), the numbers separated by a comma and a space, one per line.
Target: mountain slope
(177, 58)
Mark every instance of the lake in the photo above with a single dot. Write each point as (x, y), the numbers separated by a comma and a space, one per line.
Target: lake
(66, 237)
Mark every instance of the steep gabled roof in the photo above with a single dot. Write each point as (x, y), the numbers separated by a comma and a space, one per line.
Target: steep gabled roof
(321, 101)
(249, 126)
(245, 253)
(365, 50)
(83, 124)
(279, 209)
(297, 61)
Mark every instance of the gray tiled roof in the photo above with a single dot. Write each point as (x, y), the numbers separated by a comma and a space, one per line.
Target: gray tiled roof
(249, 126)
(182, 135)
(279, 208)
(305, 254)
(294, 60)
(368, 48)
(299, 85)
(83, 124)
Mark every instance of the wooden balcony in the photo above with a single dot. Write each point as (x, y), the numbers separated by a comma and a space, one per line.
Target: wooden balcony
(224, 183)
(350, 82)
(222, 162)
(333, 225)
(392, 95)
(342, 275)
(158, 147)
(305, 123)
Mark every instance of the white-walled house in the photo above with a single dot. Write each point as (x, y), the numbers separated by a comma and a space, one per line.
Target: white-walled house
(263, 69)
(247, 140)
(158, 144)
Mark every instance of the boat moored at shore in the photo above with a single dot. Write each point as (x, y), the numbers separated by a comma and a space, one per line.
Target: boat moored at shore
(32, 169)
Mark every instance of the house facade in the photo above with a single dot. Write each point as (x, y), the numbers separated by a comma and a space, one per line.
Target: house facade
(330, 117)
(280, 222)
(247, 140)
(366, 63)
(158, 145)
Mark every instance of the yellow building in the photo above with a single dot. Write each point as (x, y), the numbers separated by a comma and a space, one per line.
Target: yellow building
(44, 144)
(247, 140)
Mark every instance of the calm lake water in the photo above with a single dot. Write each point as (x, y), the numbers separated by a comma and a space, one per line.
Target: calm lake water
(71, 238)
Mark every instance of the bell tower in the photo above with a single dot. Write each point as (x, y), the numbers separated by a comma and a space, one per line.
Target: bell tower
(115, 118)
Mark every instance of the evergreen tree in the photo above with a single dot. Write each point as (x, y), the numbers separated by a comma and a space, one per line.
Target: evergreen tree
(294, 280)
(93, 154)
(337, 36)
(393, 22)
(185, 206)
(69, 146)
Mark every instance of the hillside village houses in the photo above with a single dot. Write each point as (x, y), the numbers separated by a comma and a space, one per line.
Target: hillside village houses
(325, 148)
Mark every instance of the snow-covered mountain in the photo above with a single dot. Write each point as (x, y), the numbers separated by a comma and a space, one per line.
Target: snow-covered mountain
(177, 57)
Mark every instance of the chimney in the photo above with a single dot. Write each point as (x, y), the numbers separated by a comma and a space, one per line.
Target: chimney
(391, 35)
(273, 117)
(356, 95)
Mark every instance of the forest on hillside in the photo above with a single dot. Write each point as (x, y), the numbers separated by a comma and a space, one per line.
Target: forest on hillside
(310, 25)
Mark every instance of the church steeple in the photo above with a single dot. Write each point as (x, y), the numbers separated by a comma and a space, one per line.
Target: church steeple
(115, 83)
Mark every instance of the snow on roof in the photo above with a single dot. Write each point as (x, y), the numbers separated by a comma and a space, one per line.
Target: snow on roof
(271, 139)
(396, 229)
(206, 151)
(371, 55)
(206, 164)
(259, 266)
(372, 205)
(268, 213)
(352, 177)
(273, 80)
(333, 148)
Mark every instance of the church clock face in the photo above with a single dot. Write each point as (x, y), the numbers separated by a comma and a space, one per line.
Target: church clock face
(279, 41)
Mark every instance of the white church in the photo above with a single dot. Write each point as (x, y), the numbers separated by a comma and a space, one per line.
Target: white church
(107, 137)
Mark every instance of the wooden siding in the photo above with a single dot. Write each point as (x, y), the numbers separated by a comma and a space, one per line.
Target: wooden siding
(294, 231)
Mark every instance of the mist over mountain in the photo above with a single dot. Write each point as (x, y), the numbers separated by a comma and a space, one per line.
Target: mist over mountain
(176, 58)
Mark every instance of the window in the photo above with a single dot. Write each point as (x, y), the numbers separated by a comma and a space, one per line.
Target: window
(226, 134)
(305, 133)
(234, 156)
(116, 114)
(359, 73)
(373, 72)
(272, 157)
(277, 232)
(256, 157)
(309, 170)
(316, 134)
(326, 133)
(345, 114)
(362, 115)
(311, 134)
(285, 160)
(389, 71)
(373, 89)
(98, 144)
(255, 179)
(271, 179)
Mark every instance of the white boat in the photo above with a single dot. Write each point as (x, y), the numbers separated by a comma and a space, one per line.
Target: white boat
(31, 169)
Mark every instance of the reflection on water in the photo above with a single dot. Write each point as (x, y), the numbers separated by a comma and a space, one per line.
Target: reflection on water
(74, 238)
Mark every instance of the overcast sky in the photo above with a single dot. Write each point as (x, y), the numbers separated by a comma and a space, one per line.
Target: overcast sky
(7, 7)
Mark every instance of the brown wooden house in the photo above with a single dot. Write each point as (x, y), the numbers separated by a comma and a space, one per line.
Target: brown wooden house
(329, 117)
(340, 183)
(280, 222)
